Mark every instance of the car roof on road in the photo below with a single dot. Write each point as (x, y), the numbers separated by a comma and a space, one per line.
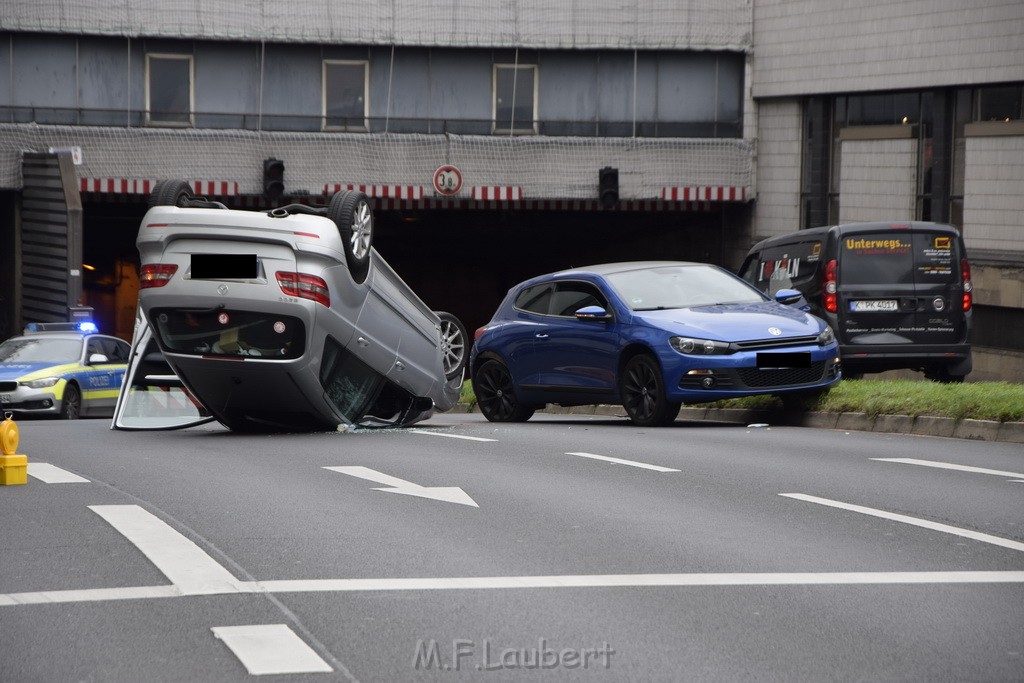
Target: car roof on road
(610, 268)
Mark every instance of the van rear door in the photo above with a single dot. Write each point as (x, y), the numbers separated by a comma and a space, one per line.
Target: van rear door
(900, 287)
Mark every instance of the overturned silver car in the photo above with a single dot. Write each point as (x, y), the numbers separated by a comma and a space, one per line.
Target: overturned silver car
(281, 320)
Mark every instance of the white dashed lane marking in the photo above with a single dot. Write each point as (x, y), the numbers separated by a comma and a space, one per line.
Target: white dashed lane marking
(951, 466)
(620, 461)
(914, 521)
(451, 436)
(271, 649)
(51, 474)
(184, 563)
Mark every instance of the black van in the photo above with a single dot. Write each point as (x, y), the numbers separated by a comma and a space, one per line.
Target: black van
(898, 295)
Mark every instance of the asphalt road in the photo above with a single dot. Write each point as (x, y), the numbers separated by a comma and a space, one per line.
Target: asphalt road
(464, 550)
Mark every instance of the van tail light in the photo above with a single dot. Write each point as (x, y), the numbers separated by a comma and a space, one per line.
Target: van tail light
(156, 274)
(304, 286)
(965, 272)
(829, 299)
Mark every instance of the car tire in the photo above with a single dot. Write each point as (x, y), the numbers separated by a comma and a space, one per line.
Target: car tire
(454, 345)
(170, 193)
(71, 404)
(352, 213)
(642, 390)
(495, 394)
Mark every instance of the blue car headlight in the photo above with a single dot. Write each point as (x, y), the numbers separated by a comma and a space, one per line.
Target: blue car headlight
(827, 336)
(40, 383)
(699, 347)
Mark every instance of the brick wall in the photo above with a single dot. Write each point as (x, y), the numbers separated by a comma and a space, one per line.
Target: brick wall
(878, 180)
(778, 168)
(813, 46)
(994, 193)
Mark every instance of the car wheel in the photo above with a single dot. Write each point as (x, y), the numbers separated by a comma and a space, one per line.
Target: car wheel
(495, 394)
(454, 345)
(71, 406)
(170, 193)
(351, 212)
(642, 389)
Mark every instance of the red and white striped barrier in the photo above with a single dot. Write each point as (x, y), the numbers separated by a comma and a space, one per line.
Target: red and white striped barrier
(116, 185)
(216, 188)
(389, 191)
(497, 193)
(715, 193)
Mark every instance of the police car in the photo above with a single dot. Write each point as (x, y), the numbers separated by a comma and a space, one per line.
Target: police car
(64, 370)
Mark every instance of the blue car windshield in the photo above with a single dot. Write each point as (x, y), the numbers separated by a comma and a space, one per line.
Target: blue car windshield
(29, 350)
(665, 287)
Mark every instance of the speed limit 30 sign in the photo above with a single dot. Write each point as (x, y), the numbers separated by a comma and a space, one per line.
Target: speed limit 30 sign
(447, 180)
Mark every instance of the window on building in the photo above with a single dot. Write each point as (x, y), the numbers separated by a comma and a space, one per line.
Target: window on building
(882, 109)
(819, 193)
(515, 98)
(169, 93)
(1003, 103)
(346, 98)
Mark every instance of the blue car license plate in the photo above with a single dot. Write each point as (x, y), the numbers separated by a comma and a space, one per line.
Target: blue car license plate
(770, 361)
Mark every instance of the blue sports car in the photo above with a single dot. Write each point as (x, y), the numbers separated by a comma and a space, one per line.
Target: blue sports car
(650, 336)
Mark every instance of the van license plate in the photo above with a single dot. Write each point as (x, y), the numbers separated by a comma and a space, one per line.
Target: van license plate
(874, 305)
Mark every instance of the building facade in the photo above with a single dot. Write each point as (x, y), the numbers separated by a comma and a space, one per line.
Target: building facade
(901, 111)
(482, 129)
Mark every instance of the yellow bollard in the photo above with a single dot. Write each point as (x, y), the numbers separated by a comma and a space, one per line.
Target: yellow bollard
(13, 467)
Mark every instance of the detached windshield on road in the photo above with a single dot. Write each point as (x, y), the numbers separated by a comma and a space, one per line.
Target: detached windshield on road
(655, 289)
(40, 351)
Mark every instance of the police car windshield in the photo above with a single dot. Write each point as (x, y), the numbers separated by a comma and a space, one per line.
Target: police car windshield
(30, 350)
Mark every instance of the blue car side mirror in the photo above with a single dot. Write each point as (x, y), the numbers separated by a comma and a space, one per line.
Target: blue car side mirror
(589, 313)
(788, 297)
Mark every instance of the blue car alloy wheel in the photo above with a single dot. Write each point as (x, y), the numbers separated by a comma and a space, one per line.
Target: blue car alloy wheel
(650, 336)
(496, 395)
(642, 388)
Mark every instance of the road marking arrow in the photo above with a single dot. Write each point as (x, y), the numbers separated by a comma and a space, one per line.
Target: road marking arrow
(447, 494)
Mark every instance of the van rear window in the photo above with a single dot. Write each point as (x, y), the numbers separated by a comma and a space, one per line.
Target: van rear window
(904, 257)
(782, 267)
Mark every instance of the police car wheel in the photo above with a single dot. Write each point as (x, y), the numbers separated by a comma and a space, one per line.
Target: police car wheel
(71, 406)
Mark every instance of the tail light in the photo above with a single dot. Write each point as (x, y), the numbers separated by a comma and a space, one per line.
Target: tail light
(829, 300)
(479, 332)
(965, 272)
(156, 274)
(304, 286)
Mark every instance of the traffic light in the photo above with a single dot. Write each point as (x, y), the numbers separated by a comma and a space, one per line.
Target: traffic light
(273, 178)
(608, 186)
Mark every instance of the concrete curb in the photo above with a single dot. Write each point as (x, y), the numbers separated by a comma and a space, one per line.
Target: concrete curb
(921, 425)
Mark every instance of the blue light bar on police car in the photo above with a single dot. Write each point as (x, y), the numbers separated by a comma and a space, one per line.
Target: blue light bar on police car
(85, 326)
